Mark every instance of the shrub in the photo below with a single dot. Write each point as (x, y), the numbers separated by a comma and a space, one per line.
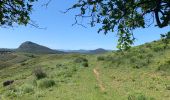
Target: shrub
(142, 97)
(23, 64)
(46, 83)
(10, 94)
(110, 58)
(67, 74)
(59, 65)
(39, 73)
(85, 64)
(149, 55)
(167, 87)
(133, 59)
(34, 82)
(163, 67)
(80, 60)
(27, 89)
(100, 58)
(131, 97)
(140, 64)
(148, 45)
(157, 48)
(141, 50)
(139, 97)
(140, 56)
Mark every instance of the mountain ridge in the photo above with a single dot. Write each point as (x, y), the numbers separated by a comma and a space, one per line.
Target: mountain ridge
(31, 47)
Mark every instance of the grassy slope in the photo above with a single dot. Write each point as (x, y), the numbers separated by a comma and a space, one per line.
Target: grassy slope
(141, 73)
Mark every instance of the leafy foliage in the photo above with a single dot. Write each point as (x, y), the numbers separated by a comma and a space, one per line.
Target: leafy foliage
(124, 15)
(15, 12)
(165, 38)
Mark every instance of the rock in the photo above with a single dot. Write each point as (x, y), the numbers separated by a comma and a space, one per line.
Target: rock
(8, 82)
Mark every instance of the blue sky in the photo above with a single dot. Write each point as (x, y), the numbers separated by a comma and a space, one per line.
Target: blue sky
(60, 34)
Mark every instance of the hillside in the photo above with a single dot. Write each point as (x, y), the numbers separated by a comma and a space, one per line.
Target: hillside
(141, 73)
(30, 47)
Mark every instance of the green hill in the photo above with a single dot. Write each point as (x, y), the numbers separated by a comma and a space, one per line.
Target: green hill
(141, 73)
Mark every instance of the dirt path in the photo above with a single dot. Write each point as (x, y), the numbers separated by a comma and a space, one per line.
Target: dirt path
(96, 73)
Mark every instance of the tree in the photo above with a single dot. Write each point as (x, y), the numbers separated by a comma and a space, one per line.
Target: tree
(165, 39)
(124, 16)
(15, 12)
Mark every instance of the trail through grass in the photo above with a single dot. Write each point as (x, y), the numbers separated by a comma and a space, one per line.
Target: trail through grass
(97, 75)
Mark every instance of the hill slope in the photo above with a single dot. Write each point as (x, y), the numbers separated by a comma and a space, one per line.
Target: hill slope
(141, 73)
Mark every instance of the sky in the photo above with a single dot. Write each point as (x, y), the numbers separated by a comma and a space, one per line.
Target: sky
(60, 34)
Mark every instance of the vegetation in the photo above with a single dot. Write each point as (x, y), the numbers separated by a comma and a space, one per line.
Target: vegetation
(39, 73)
(140, 73)
(46, 83)
(15, 11)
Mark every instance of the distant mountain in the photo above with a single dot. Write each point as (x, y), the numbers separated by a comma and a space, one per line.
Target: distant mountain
(96, 51)
(76, 51)
(6, 50)
(30, 47)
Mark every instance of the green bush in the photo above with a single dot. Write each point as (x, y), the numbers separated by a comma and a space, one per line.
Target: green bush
(140, 64)
(27, 89)
(23, 64)
(85, 64)
(110, 58)
(164, 67)
(149, 55)
(39, 73)
(34, 82)
(80, 60)
(133, 59)
(142, 97)
(46, 83)
(140, 56)
(142, 50)
(157, 48)
(67, 74)
(148, 45)
(10, 94)
(167, 87)
(100, 58)
(139, 97)
(59, 65)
